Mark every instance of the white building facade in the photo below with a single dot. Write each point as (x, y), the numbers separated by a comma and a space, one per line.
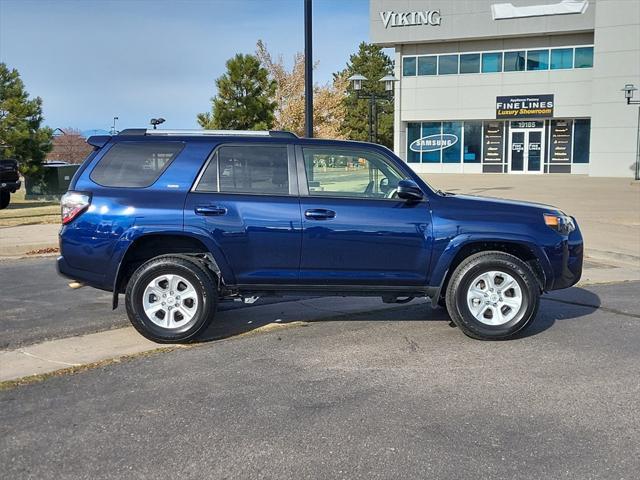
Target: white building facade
(524, 87)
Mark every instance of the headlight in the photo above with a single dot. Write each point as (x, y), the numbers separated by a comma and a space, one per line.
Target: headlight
(562, 224)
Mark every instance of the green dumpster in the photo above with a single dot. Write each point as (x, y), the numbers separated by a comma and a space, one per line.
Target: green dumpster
(53, 183)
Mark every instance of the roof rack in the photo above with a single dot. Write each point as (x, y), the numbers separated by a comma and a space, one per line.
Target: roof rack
(206, 133)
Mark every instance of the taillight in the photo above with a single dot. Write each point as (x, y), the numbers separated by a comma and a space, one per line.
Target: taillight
(73, 204)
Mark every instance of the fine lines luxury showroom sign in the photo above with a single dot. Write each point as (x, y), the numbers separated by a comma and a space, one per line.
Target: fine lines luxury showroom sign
(524, 106)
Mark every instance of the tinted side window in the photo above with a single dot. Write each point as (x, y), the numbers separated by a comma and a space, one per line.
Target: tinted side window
(134, 164)
(349, 173)
(248, 169)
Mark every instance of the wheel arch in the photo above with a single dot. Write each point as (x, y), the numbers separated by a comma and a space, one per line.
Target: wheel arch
(460, 248)
(146, 246)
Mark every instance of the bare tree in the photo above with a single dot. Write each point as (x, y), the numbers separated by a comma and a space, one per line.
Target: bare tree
(328, 105)
(70, 146)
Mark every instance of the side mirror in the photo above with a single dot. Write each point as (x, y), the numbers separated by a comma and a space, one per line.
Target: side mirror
(409, 190)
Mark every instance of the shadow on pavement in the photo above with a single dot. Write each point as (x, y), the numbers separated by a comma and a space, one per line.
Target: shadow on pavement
(236, 319)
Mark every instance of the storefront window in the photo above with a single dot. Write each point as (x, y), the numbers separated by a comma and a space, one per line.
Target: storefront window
(492, 62)
(413, 133)
(538, 60)
(470, 63)
(514, 61)
(472, 142)
(581, 138)
(561, 58)
(584, 57)
(428, 65)
(409, 66)
(447, 64)
(452, 135)
(429, 129)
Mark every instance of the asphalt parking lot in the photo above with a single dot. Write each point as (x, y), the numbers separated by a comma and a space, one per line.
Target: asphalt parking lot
(393, 393)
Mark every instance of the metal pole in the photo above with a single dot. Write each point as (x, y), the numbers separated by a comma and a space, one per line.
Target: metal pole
(375, 119)
(638, 149)
(308, 70)
(371, 118)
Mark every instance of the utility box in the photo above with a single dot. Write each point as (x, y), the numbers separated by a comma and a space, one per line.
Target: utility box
(53, 183)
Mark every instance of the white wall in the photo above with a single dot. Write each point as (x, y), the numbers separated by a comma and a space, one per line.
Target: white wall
(614, 125)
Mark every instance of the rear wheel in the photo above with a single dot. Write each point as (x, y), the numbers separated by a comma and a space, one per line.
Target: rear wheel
(5, 197)
(492, 296)
(170, 299)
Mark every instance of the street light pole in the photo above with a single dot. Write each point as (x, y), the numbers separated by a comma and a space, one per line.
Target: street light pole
(308, 70)
(629, 90)
(113, 127)
(356, 82)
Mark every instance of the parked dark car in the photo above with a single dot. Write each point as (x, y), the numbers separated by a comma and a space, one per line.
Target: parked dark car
(178, 221)
(9, 181)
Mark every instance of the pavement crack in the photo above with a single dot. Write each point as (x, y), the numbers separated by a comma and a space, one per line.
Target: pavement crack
(50, 361)
(597, 307)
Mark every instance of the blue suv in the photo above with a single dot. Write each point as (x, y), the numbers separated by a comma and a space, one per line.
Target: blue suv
(178, 221)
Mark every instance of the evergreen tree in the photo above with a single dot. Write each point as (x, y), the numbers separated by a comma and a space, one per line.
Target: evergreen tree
(21, 135)
(374, 64)
(245, 97)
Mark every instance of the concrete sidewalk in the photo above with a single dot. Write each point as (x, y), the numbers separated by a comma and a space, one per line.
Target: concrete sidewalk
(17, 241)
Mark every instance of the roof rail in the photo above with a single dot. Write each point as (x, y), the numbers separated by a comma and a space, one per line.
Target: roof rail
(202, 133)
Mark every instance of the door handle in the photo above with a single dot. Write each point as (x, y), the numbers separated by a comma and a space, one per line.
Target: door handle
(210, 210)
(319, 214)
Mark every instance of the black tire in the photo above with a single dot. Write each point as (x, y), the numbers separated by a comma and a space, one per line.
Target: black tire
(468, 271)
(191, 270)
(5, 198)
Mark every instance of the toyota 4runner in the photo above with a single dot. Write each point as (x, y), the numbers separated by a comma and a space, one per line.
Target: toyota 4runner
(178, 221)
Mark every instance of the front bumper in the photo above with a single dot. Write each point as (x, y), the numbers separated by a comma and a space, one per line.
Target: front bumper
(566, 260)
(11, 186)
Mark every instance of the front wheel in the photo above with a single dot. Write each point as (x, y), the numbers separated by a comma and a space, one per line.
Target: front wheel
(170, 299)
(492, 296)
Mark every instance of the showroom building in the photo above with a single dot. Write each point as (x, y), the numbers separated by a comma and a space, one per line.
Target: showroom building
(528, 86)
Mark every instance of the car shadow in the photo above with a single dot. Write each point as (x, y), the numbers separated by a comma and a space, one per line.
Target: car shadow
(234, 318)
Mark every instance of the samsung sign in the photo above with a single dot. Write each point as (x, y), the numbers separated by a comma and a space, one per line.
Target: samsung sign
(433, 143)
(407, 19)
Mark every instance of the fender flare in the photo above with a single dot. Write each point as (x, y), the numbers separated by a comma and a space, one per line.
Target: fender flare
(135, 233)
(457, 243)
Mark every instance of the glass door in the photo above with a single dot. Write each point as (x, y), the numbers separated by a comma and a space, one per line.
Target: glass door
(526, 150)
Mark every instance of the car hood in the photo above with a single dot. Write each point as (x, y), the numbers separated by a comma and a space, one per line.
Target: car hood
(500, 203)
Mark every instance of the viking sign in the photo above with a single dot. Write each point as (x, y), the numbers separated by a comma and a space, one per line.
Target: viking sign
(406, 19)
(432, 143)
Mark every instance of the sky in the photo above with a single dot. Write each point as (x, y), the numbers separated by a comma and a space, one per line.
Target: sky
(91, 60)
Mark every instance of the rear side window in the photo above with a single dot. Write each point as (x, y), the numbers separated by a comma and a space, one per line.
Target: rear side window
(256, 169)
(135, 164)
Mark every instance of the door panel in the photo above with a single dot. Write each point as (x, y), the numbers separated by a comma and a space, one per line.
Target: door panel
(517, 151)
(534, 151)
(354, 230)
(259, 235)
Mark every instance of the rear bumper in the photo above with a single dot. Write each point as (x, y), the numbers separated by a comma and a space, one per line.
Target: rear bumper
(566, 261)
(83, 276)
(11, 186)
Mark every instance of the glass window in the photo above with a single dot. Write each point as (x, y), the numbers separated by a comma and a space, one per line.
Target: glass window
(584, 57)
(514, 61)
(413, 134)
(492, 62)
(581, 138)
(561, 58)
(252, 169)
(472, 142)
(427, 65)
(470, 63)
(447, 64)
(432, 130)
(409, 66)
(134, 164)
(451, 136)
(349, 173)
(538, 60)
